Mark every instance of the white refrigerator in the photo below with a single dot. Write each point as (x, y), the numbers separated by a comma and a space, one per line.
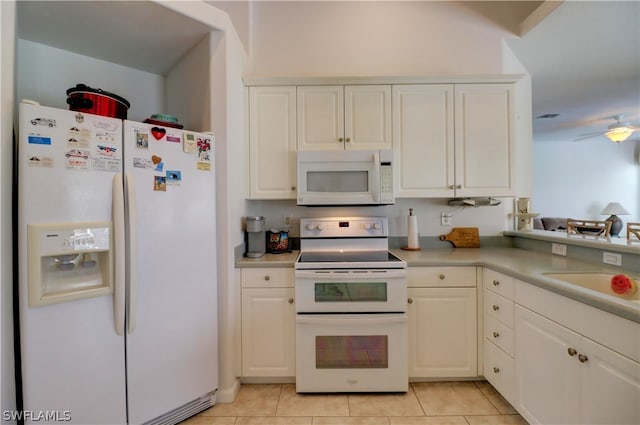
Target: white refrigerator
(117, 269)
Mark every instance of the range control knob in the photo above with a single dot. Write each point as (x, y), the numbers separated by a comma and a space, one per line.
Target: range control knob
(376, 226)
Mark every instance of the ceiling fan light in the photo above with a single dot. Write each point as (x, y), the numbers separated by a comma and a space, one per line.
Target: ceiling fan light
(619, 134)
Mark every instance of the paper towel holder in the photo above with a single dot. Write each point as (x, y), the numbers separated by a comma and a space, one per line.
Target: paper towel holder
(408, 248)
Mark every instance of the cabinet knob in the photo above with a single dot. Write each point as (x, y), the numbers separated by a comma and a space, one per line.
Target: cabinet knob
(348, 139)
(496, 370)
(583, 358)
(572, 351)
(451, 186)
(458, 186)
(267, 277)
(293, 188)
(496, 282)
(410, 300)
(496, 307)
(496, 334)
(441, 277)
(290, 300)
(340, 140)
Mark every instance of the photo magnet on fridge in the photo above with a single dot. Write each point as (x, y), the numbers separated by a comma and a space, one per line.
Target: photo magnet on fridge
(159, 183)
(142, 140)
(174, 176)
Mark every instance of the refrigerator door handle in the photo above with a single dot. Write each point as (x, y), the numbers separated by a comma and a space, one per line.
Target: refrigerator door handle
(132, 260)
(119, 269)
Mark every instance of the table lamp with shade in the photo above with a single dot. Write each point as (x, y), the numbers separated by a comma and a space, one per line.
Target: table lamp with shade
(615, 209)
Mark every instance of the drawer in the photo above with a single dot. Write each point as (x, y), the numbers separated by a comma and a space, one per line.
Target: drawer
(499, 370)
(268, 278)
(498, 283)
(499, 333)
(499, 307)
(442, 276)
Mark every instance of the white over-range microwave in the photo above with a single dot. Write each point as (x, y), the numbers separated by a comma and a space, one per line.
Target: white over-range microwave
(359, 177)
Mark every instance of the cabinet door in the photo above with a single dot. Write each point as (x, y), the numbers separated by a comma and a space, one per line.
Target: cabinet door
(484, 128)
(268, 332)
(367, 119)
(272, 142)
(320, 118)
(442, 332)
(547, 375)
(423, 140)
(610, 386)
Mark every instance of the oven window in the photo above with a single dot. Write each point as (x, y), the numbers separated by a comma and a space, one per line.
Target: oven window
(352, 352)
(337, 181)
(351, 291)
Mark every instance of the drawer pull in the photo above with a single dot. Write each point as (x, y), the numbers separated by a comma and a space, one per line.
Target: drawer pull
(410, 300)
(290, 300)
(496, 307)
(267, 277)
(583, 358)
(496, 282)
(293, 188)
(496, 334)
(441, 277)
(496, 370)
(572, 351)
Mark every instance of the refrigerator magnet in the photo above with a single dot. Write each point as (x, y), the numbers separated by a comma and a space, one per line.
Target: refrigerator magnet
(77, 143)
(142, 140)
(40, 161)
(203, 153)
(79, 133)
(159, 183)
(158, 133)
(174, 137)
(189, 143)
(174, 177)
(77, 159)
(35, 139)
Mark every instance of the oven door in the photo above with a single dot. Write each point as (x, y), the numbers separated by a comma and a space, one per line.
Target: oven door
(351, 353)
(351, 291)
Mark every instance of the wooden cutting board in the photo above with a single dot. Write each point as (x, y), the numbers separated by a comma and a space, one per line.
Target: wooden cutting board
(463, 237)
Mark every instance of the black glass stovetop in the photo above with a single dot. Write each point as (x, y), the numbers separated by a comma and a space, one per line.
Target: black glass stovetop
(347, 257)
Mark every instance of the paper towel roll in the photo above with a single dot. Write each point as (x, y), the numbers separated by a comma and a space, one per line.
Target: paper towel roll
(412, 232)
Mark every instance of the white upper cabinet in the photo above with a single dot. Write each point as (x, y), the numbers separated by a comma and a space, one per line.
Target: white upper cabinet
(272, 142)
(485, 133)
(454, 139)
(424, 140)
(344, 117)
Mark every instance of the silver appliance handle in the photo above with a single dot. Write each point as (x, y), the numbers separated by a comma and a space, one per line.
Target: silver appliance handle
(351, 274)
(119, 270)
(351, 319)
(132, 260)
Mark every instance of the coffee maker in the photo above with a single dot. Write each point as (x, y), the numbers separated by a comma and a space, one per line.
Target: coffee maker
(254, 238)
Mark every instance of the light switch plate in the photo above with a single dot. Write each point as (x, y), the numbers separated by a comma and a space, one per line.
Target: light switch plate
(612, 258)
(559, 249)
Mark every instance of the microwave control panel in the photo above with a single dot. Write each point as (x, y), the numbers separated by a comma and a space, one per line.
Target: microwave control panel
(386, 183)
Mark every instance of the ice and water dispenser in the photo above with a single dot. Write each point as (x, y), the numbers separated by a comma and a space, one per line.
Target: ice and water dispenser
(67, 262)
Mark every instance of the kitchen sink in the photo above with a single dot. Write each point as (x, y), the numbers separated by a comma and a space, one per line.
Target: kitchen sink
(600, 282)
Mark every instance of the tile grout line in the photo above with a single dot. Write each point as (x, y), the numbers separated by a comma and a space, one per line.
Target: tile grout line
(424, 411)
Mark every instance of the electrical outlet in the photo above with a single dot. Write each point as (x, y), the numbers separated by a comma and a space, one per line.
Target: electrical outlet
(287, 220)
(446, 219)
(612, 258)
(559, 249)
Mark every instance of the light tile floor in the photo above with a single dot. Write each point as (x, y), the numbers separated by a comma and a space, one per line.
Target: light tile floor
(426, 403)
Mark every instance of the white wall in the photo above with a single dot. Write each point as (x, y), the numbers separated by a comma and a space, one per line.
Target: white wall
(7, 381)
(578, 179)
(371, 39)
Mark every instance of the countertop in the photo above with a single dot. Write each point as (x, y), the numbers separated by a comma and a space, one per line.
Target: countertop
(522, 264)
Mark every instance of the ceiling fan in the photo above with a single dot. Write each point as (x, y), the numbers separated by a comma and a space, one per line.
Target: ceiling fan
(617, 132)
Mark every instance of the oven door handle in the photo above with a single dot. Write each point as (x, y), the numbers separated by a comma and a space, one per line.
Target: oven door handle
(353, 275)
(353, 319)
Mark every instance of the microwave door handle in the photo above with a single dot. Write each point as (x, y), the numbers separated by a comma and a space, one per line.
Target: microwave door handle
(376, 180)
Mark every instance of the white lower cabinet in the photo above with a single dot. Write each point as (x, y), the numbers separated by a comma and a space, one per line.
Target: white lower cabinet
(268, 323)
(442, 322)
(562, 377)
